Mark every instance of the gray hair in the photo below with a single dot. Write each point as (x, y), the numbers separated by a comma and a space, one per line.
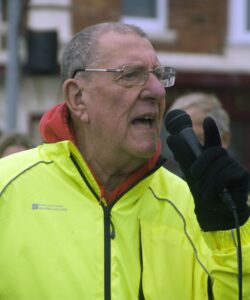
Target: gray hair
(207, 103)
(81, 52)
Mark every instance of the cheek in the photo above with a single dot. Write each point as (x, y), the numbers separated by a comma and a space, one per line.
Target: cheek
(111, 105)
(105, 119)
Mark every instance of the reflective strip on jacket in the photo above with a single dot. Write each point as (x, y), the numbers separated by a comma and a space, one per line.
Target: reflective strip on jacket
(60, 241)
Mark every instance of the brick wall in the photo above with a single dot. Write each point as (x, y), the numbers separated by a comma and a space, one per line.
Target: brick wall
(200, 26)
(90, 12)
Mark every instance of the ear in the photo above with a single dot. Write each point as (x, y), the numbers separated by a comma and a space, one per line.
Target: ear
(74, 97)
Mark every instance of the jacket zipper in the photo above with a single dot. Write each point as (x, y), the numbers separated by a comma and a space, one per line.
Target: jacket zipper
(109, 234)
(109, 230)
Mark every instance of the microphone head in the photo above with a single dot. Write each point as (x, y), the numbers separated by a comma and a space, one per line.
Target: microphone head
(176, 120)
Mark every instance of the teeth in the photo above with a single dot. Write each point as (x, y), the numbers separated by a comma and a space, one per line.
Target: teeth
(144, 119)
(148, 118)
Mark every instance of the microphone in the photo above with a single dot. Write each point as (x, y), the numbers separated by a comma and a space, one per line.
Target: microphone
(179, 122)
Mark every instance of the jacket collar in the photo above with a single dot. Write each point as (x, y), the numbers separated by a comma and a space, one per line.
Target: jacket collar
(55, 126)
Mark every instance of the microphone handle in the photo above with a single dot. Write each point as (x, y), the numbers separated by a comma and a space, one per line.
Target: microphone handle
(192, 141)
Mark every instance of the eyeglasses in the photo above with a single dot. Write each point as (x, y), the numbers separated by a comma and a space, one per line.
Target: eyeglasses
(131, 75)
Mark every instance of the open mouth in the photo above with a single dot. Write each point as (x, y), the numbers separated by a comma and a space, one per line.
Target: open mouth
(145, 121)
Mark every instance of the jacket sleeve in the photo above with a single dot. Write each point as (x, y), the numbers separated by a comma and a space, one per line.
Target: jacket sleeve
(223, 265)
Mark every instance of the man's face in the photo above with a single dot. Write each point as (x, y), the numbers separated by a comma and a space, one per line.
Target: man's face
(125, 121)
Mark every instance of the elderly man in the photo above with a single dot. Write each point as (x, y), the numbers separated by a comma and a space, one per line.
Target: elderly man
(92, 214)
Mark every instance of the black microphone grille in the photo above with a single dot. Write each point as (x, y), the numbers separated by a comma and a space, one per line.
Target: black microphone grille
(177, 120)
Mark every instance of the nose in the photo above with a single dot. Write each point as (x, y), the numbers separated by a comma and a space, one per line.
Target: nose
(153, 88)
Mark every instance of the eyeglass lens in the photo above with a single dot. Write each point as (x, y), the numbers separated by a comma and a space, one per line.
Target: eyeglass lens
(138, 75)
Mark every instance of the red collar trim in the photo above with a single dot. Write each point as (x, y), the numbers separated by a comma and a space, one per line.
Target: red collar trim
(55, 126)
(132, 179)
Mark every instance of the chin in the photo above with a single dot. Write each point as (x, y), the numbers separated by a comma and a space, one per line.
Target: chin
(143, 148)
(147, 153)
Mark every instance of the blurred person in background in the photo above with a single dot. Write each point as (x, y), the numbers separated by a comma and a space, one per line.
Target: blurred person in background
(14, 142)
(200, 105)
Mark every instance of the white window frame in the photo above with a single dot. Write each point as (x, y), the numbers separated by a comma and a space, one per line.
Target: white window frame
(51, 15)
(156, 28)
(237, 33)
(151, 24)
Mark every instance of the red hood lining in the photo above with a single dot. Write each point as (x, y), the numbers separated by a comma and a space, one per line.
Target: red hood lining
(55, 125)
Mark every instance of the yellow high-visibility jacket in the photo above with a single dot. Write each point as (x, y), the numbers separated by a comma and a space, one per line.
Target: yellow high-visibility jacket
(60, 241)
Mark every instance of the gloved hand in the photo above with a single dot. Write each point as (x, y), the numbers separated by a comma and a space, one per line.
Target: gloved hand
(209, 175)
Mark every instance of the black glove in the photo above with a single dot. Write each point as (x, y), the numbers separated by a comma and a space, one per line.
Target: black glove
(209, 175)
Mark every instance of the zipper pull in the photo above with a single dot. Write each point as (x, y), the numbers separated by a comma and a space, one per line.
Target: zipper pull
(112, 233)
(108, 217)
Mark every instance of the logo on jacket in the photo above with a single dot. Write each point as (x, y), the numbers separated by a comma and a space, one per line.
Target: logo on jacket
(55, 207)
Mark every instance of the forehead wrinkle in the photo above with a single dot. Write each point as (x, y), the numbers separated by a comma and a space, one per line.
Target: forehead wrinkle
(125, 49)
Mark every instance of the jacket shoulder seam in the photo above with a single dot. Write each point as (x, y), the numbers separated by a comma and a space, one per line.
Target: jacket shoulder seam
(21, 173)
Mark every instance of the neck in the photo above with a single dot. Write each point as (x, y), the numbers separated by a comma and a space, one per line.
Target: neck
(109, 165)
(111, 172)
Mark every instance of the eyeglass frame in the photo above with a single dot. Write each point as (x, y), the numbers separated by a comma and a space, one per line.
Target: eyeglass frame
(121, 69)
